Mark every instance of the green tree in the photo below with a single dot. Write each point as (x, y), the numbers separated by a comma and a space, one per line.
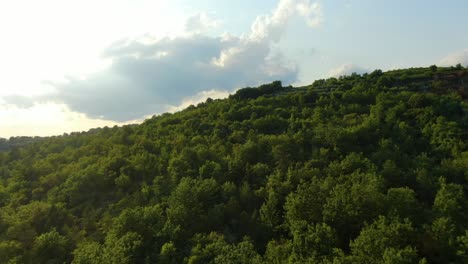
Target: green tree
(88, 253)
(51, 248)
(384, 241)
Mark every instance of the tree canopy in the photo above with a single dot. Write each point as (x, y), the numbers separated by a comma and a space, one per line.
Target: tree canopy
(368, 168)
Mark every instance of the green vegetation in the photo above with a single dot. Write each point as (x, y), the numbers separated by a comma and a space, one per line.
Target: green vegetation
(366, 168)
(15, 142)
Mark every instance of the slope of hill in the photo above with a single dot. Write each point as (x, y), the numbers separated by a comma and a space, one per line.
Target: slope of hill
(15, 142)
(367, 168)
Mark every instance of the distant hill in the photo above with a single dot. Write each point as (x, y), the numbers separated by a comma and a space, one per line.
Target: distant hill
(368, 168)
(15, 142)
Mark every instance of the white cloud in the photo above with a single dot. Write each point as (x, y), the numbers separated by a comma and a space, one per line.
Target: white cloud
(273, 26)
(201, 23)
(455, 58)
(50, 39)
(347, 69)
(150, 75)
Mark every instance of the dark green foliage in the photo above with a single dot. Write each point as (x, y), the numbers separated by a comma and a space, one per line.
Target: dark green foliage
(366, 168)
(253, 93)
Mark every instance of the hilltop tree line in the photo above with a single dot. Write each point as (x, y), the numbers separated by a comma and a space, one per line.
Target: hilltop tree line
(16, 142)
(368, 168)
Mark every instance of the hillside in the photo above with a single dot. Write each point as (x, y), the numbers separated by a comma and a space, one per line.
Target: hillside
(15, 142)
(366, 168)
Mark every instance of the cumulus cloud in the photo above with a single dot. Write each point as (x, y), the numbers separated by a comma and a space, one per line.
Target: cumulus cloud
(201, 23)
(146, 77)
(455, 58)
(272, 26)
(347, 69)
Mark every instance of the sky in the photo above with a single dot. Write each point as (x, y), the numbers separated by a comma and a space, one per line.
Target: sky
(74, 65)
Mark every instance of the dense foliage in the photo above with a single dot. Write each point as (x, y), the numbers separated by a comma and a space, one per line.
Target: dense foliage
(367, 168)
(15, 142)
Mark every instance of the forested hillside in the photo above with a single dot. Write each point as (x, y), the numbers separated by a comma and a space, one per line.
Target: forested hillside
(366, 168)
(15, 142)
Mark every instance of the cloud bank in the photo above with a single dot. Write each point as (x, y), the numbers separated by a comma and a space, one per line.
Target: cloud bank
(153, 76)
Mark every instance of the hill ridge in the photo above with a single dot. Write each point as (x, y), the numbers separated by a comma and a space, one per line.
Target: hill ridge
(358, 169)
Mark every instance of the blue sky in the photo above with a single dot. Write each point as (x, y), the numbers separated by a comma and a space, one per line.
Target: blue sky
(73, 65)
(371, 33)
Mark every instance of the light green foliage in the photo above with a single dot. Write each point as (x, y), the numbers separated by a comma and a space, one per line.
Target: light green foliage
(450, 202)
(242, 253)
(51, 248)
(125, 249)
(168, 253)
(312, 242)
(88, 253)
(384, 240)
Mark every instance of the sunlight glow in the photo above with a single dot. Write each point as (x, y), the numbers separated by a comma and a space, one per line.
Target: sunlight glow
(44, 120)
(40, 43)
